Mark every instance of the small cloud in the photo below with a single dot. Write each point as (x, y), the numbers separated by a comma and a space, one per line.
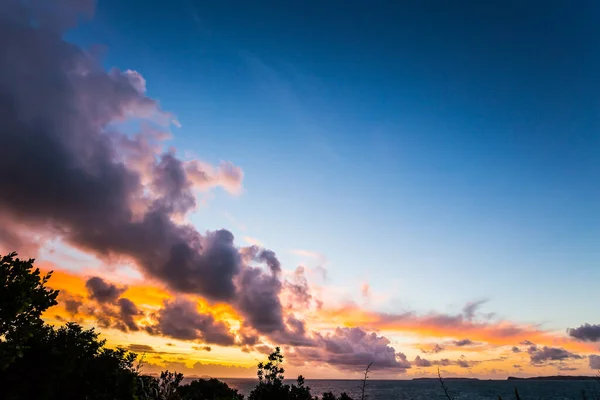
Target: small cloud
(433, 350)
(102, 291)
(307, 253)
(541, 355)
(527, 343)
(202, 348)
(253, 241)
(463, 342)
(515, 349)
(586, 333)
(421, 362)
(365, 291)
(594, 362)
(140, 348)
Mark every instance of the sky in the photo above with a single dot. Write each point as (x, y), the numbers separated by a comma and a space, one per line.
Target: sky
(410, 184)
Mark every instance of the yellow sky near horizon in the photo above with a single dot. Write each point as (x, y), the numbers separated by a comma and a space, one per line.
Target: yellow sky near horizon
(490, 353)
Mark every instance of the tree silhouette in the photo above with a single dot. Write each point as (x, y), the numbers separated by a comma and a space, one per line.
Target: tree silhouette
(23, 299)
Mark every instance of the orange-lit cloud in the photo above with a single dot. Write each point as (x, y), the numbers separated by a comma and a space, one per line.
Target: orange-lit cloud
(433, 325)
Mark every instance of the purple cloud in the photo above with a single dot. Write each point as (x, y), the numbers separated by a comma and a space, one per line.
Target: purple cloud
(541, 355)
(586, 333)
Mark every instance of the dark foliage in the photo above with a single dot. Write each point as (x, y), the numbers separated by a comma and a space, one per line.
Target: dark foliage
(212, 389)
(67, 362)
(270, 383)
(23, 299)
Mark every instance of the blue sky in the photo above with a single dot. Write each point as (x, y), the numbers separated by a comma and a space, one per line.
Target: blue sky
(442, 153)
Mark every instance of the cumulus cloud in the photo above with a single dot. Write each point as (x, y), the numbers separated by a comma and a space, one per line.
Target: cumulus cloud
(541, 355)
(594, 362)
(297, 290)
(180, 319)
(586, 333)
(422, 362)
(351, 349)
(106, 192)
(71, 302)
(515, 349)
(102, 291)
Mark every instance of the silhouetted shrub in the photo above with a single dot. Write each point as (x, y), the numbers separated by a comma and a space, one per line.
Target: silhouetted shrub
(209, 389)
(23, 299)
(67, 362)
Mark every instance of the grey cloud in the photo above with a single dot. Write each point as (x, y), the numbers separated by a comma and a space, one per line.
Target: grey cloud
(71, 302)
(471, 308)
(586, 333)
(541, 355)
(422, 362)
(140, 348)
(300, 296)
(527, 343)
(461, 362)
(202, 348)
(127, 311)
(566, 368)
(259, 300)
(594, 362)
(463, 342)
(515, 349)
(102, 291)
(180, 319)
(106, 192)
(351, 349)
(434, 350)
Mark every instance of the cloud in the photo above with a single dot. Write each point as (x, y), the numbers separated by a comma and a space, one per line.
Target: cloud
(351, 349)
(202, 348)
(111, 194)
(437, 325)
(180, 319)
(566, 368)
(297, 290)
(71, 302)
(541, 355)
(102, 291)
(127, 311)
(463, 342)
(205, 176)
(462, 362)
(140, 348)
(527, 343)
(436, 348)
(594, 362)
(365, 291)
(470, 309)
(421, 362)
(586, 333)
(515, 349)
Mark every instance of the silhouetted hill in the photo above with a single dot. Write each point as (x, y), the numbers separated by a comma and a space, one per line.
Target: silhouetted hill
(445, 379)
(555, 378)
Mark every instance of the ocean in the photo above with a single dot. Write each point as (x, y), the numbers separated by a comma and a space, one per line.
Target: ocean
(431, 390)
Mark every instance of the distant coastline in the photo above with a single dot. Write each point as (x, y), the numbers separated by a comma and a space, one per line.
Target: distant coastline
(514, 378)
(555, 378)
